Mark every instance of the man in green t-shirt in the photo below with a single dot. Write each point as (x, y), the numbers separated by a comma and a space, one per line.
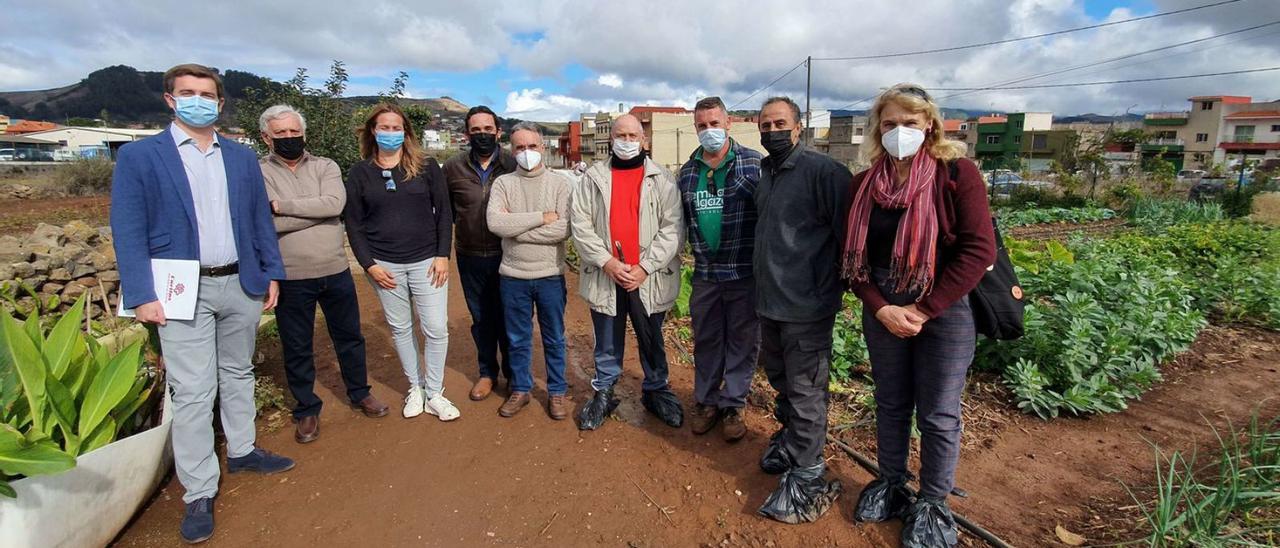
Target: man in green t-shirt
(717, 187)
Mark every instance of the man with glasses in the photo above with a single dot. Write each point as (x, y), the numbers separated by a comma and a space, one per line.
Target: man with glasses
(470, 177)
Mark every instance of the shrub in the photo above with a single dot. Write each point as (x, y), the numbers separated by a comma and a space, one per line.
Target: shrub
(86, 176)
(1147, 212)
(848, 345)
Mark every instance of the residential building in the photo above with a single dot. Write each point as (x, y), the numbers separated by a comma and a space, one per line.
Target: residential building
(4, 123)
(587, 137)
(959, 130)
(1040, 149)
(673, 138)
(1218, 127)
(818, 127)
(595, 135)
(23, 127)
(1251, 134)
(1166, 130)
(1000, 139)
(844, 136)
(570, 145)
(436, 139)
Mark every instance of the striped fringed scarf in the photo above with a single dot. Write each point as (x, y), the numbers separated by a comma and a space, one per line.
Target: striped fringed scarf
(916, 242)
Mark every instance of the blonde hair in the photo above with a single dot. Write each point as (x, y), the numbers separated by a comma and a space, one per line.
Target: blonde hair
(914, 99)
(411, 154)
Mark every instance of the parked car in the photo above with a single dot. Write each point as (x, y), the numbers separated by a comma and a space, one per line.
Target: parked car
(1190, 175)
(1003, 183)
(6, 155)
(1207, 189)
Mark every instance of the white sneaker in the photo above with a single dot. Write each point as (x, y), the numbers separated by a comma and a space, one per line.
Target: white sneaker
(413, 403)
(440, 406)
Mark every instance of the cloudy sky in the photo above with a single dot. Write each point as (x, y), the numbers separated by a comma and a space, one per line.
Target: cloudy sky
(551, 59)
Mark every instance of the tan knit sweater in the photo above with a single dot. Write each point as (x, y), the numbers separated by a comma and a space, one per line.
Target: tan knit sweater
(530, 248)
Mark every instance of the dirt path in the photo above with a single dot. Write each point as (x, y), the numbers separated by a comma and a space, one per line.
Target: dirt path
(20, 217)
(531, 481)
(485, 480)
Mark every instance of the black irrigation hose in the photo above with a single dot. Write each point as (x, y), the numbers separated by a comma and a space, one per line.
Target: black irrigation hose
(969, 526)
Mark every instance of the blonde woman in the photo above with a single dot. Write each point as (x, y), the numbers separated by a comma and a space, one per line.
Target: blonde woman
(919, 240)
(400, 226)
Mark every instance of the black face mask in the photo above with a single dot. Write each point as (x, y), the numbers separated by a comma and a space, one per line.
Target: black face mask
(777, 142)
(483, 144)
(289, 148)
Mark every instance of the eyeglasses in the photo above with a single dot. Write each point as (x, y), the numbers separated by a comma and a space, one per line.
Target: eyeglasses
(916, 91)
(391, 182)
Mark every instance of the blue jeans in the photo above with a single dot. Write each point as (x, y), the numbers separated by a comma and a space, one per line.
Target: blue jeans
(480, 287)
(611, 337)
(415, 292)
(519, 297)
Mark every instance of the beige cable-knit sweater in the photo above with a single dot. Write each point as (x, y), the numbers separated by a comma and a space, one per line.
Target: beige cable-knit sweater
(517, 201)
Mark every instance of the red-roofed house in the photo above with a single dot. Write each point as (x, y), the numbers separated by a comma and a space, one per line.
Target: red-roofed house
(1219, 126)
(23, 127)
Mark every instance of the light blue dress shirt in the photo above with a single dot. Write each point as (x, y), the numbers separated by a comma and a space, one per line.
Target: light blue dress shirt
(207, 176)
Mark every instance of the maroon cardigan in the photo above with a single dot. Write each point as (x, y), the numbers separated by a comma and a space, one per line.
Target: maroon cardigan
(966, 240)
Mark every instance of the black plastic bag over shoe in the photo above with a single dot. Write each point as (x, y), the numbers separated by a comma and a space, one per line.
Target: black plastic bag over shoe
(803, 495)
(776, 460)
(597, 409)
(929, 524)
(883, 499)
(665, 405)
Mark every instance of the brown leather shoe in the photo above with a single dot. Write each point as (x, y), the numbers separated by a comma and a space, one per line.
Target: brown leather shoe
(734, 427)
(558, 407)
(514, 404)
(703, 418)
(308, 429)
(481, 389)
(371, 407)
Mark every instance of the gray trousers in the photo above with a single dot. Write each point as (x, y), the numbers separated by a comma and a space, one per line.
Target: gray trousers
(415, 292)
(797, 358)
(923, 375)
(205, 358)
(726, 339)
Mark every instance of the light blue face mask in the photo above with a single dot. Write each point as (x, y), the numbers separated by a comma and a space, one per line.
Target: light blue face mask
(196, 111)
(389, 140)
(712, 139)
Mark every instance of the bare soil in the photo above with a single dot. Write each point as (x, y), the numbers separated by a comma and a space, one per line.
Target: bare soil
(20, 217)
(532, 481)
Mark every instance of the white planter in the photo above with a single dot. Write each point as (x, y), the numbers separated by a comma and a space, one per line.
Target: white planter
(90, 504)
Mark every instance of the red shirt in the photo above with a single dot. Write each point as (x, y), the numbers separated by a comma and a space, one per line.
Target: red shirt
(624, 213)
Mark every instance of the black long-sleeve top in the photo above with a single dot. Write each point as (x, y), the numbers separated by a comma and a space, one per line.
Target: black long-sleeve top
(412, 224)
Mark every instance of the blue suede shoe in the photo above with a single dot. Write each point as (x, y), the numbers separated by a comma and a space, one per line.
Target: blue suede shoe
(261, 461)
(197, 524)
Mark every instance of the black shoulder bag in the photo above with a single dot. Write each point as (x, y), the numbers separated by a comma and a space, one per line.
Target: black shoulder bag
(997, 301)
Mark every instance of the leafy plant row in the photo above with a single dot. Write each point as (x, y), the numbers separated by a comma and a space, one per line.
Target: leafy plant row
(1103, 315)
(1035, 216)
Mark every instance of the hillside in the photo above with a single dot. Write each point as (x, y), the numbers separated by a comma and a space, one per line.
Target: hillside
(127, 96)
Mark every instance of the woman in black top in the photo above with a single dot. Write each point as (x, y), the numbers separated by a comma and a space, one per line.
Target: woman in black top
(400, 226)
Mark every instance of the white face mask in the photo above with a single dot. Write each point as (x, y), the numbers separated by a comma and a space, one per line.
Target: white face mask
(528, 159)
(712, 139)
(626, 150)
(902, 141)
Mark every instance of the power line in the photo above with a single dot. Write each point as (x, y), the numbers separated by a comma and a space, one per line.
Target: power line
(769, 85)
(1114, 59)
(1110, 82)
(1023, 38)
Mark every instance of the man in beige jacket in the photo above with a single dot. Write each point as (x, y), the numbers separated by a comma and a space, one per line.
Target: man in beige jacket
(529, 210)
(627, 230)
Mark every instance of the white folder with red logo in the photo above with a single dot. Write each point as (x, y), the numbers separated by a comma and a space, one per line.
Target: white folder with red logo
(176, 283)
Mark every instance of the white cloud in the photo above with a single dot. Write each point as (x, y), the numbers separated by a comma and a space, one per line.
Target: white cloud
(610, 80)
(665, 51)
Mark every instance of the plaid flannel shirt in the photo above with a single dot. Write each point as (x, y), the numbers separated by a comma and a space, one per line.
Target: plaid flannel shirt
(738, 226)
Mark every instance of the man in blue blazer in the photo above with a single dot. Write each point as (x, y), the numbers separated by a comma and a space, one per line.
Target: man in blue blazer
(188, 193)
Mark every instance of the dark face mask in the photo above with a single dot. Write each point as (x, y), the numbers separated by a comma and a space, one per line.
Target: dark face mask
(777, 142)
(289, 148)
(483, 144)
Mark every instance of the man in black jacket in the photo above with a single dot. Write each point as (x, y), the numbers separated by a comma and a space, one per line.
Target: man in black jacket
(802, 201)
(470, 176)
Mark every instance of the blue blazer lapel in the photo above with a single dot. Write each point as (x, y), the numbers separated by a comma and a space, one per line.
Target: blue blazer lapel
(172, 162)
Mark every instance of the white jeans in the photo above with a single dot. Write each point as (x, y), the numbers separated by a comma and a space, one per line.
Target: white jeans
(414, 290)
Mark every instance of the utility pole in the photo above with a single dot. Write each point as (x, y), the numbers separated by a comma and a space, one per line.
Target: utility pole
(808, 82)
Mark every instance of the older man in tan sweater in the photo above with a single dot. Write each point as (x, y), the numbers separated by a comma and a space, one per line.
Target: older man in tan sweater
(529, 210)
(306, 198)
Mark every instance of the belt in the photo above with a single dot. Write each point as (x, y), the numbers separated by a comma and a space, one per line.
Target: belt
(219, 271)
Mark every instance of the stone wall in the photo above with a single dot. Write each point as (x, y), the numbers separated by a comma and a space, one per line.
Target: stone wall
(67, 261)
